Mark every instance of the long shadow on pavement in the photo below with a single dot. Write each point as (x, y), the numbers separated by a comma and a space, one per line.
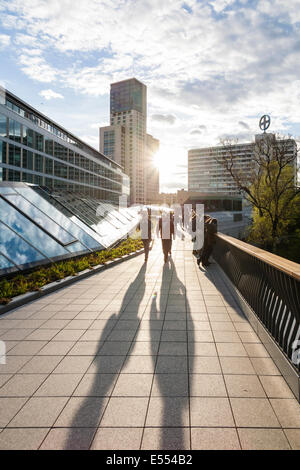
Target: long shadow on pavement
(92, 408)
(174, 363)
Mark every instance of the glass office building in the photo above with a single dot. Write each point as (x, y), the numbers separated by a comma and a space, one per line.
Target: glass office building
(34, 149)
(39, 227)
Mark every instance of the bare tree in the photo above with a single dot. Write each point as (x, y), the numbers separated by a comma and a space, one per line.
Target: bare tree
(267, 178)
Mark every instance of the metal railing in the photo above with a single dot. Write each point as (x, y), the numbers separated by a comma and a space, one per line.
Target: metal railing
(271, 287)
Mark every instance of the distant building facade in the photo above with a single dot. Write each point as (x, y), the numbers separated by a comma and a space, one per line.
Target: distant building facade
(126, 141)
(34, 149)
(151, 171)
(206, 175)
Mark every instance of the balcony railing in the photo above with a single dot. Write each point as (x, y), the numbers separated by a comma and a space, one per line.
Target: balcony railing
(270, 285)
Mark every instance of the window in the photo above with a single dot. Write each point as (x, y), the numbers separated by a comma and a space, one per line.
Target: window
(39, 142)
(48, 166)
(3, 126)
(27, 159)
(49, 146)
(14, 156)
(28, 136)
(39, 163)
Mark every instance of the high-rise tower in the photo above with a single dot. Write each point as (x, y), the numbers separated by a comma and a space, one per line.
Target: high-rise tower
(125, 140)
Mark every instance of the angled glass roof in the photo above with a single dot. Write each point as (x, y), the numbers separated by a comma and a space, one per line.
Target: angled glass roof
(38, 227)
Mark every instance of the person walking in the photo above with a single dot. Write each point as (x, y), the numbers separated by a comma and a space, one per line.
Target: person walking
(146, 231)
(210, 230)
(166, 232)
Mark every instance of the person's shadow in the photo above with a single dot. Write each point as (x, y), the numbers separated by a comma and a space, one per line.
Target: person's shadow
(172, 371)
(92, 407)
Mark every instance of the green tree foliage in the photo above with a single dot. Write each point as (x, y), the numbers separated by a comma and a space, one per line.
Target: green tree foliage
(268, 182)
(278, 215)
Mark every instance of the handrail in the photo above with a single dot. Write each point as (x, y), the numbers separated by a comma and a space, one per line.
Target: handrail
(271, 287)
(289, 267)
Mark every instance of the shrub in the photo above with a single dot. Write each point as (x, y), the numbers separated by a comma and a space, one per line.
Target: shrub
(22, 283)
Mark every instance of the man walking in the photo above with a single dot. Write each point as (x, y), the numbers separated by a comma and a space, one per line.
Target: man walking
(146, 231)
(210, 230)
(166, 232)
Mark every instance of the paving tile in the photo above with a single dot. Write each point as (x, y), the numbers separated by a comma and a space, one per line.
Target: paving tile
(231, 349)
(17, 335)
(114, 348)
(169, 364)
(85, 348)
(256, 350)
(172, 348)
(242, 326)
(96, 385)
(59, 385)
(253, 412)
(68, 439)
(125, 411)
(166, 438)
(69, 335)
(293, 436)
(40, 365)
(276, 387)
(222, 326)
(42, 335)
(236, 365)
(22, 439)
(82, 412)
(73, 365)
(39, 412)
(264, 366)
(201, 349)
(27, 348)
(249, 337)
(133, 385)
(171, 335)
(207, 385)
(119, 336)
(117, 439)
(211, 412)
(244, 386)
(22, 385)
(287, 411)
(106, 364)
(169, 385)
(139, 364)
(9, 407)
(55, 324)
(226, 337)
(175, 325)
(204, 365)
(13, 364)
(219, 317)
(263, 439)
(214, 439)
(4, 378)
(56, 348)
(168, 411)
(144, 348)
(200, 336)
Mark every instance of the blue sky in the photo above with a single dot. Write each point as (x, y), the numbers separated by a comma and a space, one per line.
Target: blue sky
(212, 67)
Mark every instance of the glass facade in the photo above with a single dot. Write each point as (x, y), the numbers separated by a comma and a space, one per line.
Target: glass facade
(35, 150)
(128, 95)
(38, 226)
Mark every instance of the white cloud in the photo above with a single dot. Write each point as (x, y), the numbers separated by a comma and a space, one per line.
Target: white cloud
(4, 40)
(50, 94)
(213, 63)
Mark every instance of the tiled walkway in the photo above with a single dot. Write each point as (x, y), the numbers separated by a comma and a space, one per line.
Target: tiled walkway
(137, 357)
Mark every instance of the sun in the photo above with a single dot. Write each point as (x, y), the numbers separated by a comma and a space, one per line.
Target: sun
(168, 160)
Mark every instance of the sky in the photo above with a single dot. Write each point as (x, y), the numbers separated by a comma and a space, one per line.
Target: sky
(212, 67)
